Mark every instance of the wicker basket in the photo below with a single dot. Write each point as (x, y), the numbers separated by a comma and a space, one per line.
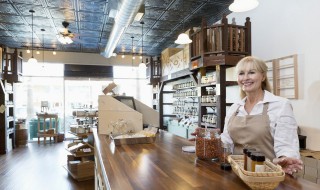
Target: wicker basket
(269, 179)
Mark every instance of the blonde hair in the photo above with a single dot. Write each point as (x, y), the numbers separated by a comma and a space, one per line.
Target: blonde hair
(258, 65)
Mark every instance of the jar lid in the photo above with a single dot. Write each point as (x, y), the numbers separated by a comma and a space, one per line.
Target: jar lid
(250, 151)
(258, 156)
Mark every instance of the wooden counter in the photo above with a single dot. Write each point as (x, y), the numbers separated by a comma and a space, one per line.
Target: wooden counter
(162, 165)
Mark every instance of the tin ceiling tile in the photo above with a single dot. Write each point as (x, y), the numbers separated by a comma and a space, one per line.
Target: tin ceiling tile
(30, 2)
(90, 39)
(88, 33)
(90, 17)
(11, 19)
(5, 33)
(63, 14)
(18, 27)
(6, 8)
(38, 10)
(92, 6)
(90, 26)
(68, 4)
(153, 12)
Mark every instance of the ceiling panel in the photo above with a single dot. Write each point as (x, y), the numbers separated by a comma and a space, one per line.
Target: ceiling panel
(90, 22)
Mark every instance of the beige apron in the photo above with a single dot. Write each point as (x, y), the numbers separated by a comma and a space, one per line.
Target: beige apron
(252, 131)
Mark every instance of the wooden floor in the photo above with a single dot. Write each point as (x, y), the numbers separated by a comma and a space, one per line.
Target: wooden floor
(38, 167)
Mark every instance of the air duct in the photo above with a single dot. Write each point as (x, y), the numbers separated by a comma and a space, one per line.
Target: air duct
(127, 11)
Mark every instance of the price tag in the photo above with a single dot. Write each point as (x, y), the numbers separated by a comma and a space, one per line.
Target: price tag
(217, 89)
(2, 108)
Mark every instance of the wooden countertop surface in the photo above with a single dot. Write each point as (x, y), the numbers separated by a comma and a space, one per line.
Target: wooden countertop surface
(163, 165)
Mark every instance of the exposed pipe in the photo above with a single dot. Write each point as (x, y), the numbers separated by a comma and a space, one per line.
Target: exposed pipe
(127, 11)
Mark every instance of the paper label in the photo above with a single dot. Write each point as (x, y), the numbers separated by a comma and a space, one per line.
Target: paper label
(2, 108)
(259, 168)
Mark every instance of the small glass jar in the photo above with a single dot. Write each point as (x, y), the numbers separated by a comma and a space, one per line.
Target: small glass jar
(226, 150)
(208, 144)
(249, 161)
(257, 164)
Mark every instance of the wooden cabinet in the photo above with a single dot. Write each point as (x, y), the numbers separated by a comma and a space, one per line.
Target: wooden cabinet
(213, 50)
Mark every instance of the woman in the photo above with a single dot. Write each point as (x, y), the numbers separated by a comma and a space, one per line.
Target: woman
(262, 120)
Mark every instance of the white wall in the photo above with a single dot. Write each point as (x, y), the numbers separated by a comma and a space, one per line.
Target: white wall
(286, 27)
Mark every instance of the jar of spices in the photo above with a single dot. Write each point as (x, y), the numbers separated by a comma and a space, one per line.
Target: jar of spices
(208, 144)
(257, 164)
(249, 161)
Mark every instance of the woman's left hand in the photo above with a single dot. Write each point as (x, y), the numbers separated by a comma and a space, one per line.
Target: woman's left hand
(289, 165)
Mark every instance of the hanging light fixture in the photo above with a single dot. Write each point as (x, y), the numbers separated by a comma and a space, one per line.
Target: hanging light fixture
(142, 65)
(32, 59)
(132, 52)
(243, 5)
(43, 44)
(183, 38)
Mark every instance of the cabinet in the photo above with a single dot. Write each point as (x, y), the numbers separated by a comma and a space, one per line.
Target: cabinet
(80, 163)
(7, 119)
(213, 50)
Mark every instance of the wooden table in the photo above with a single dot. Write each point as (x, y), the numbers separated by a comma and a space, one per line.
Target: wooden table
(162, 165)
(44, 133)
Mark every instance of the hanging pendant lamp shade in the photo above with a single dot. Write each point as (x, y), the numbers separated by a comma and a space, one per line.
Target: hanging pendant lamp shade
(183, 38)
(32, 60)
(243, 5)
(142, 65)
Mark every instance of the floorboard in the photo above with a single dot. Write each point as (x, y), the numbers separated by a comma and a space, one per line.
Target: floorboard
(38, 167)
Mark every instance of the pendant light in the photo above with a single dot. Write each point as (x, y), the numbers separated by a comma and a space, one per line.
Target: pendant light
(132, 52)
(243, 5)
(32, 59)
(43, 44)
(142, 65)
(183, 38)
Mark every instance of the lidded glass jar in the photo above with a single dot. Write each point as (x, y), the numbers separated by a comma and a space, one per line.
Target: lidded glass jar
(208, 144)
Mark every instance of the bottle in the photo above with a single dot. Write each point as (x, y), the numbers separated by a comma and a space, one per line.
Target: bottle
(257, 164)
(249, 161)
(245, 151)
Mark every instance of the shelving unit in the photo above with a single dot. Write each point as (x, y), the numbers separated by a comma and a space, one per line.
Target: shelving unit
(81, 161)
(7, 119)
(213, 49)
(11, 72)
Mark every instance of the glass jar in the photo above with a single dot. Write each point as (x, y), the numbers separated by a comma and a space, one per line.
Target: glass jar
(208, 144)
(257, 164)
(226, 150)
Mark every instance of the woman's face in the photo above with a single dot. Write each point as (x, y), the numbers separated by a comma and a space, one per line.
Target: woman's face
(250, 80)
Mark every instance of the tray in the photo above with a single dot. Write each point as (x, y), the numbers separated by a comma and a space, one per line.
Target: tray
(137, 140)
(269, 179)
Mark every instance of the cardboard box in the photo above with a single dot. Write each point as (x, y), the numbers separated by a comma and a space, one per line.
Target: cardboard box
(311, 171)
(312, 162)
(310, 178)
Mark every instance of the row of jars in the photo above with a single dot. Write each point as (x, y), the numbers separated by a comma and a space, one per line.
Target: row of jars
(208, 79)
(184, 103)
(209, 99)
(182, 94)
(184, 85)
(210, 118)
(186, 110)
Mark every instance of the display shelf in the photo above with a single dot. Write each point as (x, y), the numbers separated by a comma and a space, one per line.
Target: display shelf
(77, 177)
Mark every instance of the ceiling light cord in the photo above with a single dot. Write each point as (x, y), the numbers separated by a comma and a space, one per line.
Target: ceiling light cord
(132, 52)
(32, 59)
